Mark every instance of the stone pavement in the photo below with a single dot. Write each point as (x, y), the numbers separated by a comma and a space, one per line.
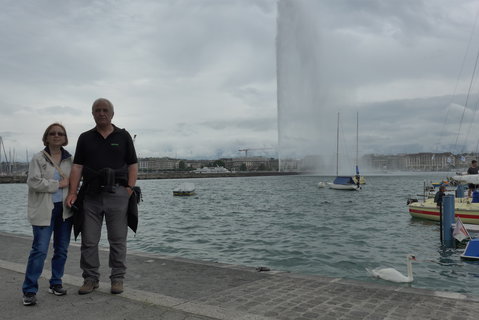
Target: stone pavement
(160, 287)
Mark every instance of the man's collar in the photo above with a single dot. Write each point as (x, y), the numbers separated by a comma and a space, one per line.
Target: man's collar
(115, 128)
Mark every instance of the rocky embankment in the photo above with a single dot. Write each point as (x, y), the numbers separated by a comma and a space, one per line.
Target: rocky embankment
(175, 175)
(190, 175)
(13, 179)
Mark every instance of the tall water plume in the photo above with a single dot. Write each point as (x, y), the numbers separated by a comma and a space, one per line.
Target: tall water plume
(308, 85)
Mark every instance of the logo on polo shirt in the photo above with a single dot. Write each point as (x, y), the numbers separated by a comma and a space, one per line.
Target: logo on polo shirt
(115, 144)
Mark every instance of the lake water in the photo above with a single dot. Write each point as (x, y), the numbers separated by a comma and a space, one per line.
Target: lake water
(288, 223)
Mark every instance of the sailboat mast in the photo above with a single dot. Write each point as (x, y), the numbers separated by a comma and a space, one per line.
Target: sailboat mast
(357, 141)
(337, 148)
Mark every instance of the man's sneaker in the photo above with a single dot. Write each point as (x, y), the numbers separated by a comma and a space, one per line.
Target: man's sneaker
(29, 299)
(116, 286)
(57, 289)
(88, 286)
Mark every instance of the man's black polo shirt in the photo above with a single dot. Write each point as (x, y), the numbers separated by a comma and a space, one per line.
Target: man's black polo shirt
(95, 152)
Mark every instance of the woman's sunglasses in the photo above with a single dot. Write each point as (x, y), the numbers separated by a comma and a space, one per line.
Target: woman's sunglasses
(54, 133)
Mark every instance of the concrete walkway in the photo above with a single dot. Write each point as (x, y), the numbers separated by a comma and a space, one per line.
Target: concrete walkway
(159, 287)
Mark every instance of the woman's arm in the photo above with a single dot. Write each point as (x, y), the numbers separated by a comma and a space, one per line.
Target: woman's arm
(36, 177)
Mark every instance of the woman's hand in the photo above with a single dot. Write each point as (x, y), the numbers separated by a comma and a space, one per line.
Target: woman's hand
(64, 183)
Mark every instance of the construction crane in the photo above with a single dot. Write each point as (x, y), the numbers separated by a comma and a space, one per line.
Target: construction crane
(245, 150)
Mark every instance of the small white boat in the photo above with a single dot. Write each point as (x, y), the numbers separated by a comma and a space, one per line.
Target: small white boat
(216, 169)
(322, 184)
(185, 189)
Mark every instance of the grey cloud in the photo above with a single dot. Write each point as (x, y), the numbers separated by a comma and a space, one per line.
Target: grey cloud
(199, 77)
(8, 109)
(257, 125)
(6, 134)
(60, 110)
(253, 96)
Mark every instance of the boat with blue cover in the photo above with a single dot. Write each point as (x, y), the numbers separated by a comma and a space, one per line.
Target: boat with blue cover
(344, 183)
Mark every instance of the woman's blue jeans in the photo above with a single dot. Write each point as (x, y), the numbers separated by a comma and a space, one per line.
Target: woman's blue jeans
(61, 230)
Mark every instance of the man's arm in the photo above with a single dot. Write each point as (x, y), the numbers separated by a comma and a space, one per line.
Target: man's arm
(132, 176)
(75, 176)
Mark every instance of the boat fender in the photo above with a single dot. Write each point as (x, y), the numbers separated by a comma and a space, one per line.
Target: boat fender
(475, 196)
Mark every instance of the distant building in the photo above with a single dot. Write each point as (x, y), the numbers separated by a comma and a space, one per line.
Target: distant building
(291, 165)
(254, 164)
(195, 164)
(424, 161)
(158, 164)
(231, 164)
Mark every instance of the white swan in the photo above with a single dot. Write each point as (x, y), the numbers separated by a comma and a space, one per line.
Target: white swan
(392, 274)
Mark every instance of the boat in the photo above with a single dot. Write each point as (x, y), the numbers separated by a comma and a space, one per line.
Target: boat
(472, 250)
(344, 182)
(427, 209)
(322, 184)
(431, 188)
(446, 183)
(465, 208)
(185, 189)
(216, 169)
(466, 179)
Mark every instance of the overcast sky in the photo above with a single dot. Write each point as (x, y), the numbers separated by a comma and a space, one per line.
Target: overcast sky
(198, 78)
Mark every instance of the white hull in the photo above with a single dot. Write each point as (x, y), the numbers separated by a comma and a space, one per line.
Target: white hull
(467, 178)
(185, 189)
(343, 186)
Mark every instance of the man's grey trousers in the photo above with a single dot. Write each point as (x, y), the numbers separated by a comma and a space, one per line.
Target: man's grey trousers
(112, 206)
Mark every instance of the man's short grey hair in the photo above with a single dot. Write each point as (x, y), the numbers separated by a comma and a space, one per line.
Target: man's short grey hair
(102, 101)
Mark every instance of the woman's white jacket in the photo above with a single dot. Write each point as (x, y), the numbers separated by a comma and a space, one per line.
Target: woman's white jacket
(41, 186)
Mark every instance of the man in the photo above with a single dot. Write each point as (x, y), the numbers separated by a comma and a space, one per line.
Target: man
(472, 170)
(439, 195)
(106, 159)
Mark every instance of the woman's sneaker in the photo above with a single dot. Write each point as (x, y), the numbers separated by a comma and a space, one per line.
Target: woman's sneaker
(29, 299)
(57, 289)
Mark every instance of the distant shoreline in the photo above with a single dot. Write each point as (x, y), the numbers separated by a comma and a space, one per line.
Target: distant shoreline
(191, 175)
(175, 175)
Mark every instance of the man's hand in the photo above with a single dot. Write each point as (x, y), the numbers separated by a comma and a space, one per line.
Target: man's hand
(70, 200)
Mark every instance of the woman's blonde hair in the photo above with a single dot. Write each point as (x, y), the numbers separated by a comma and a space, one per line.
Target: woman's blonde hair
(45, 134)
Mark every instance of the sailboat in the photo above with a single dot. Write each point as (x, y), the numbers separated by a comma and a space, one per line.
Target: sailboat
(343, 182)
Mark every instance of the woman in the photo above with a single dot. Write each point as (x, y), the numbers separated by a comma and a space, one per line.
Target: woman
(48, 179)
